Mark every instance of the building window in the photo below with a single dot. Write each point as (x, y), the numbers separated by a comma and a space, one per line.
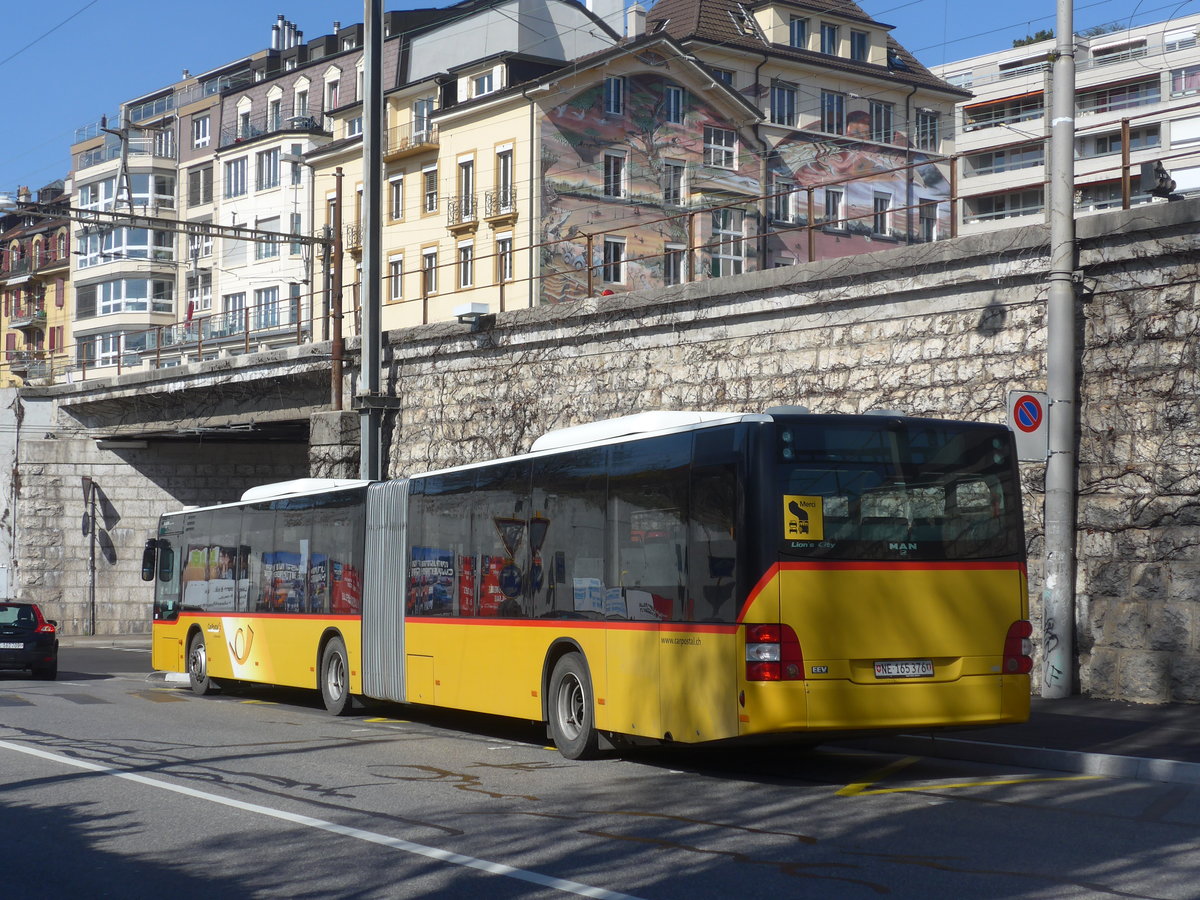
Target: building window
(275, 115)
(267, 249)
(266, 308)
(295, 248)
(860, 45)
(673, 170)
(783, 104)
(235, 177)
(798, 32)
(504, 258)
(614, 175)
(928, 216)
(1004, 206)
(614, 95)
(466, 265)
(674, 264)
(233, 312)
(396, 197)
(395, 277)
(725, 76)
(1008, 159)
(199, 292)
(354, 126)
(1138, 93)
(1180, 39)
(1103, 56)
(782, 201)
(882, 128)
(833, 207)
(301, 104)
(928, 136)
(673, 104)
(1003, 112)
(200, 132)
(719, 147)
(829, 38)
(613, 270)
(881, 224)
(429, 189)
(1139, 139)
(504, 180)
(483, 84)
(199, 246)
(466, 189)
(423, 119)
(267, 169)
(429, 271)
(200, 185)
(1185, 81)
(727, 232)
(833, 112)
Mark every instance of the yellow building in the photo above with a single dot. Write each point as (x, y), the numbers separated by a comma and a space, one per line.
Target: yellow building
(35, 272)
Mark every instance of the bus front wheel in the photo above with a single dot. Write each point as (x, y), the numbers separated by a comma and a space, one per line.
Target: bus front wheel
(335, 678)
(197, 666)
(571, 709)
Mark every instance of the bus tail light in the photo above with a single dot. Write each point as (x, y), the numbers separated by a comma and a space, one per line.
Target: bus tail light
(773, 654)
(1018, 649)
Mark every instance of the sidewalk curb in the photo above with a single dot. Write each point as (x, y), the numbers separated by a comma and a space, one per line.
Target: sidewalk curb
(1103, 764)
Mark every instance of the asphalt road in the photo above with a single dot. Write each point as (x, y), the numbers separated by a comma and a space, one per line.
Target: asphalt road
(116, 784)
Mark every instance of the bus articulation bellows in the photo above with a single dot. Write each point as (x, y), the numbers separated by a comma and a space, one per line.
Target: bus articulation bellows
(687, 577)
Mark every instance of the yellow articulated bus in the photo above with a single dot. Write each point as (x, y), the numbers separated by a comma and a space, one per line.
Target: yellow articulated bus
(686, 577)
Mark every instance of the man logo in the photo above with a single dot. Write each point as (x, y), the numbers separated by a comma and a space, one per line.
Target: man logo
(902, 547)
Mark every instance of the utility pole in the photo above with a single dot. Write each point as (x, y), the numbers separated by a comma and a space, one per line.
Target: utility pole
(336, 347)
(1058, 595)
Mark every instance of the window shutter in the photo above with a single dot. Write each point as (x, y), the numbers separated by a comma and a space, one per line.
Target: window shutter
(59, 292)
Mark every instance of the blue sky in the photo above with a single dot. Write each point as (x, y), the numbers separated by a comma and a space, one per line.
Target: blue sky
(65, 65)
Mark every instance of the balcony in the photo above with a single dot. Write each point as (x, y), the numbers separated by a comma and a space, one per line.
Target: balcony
(403, 140)
(21, 362)
(159, 149)
(462, 213)
(500, 207)
(249, 129)
(30, 317)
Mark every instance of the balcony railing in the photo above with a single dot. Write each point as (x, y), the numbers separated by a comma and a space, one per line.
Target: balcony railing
(407, 138)
(271, 124)
(27, 317)
(499, 203)
(137, 147)
(462, 210)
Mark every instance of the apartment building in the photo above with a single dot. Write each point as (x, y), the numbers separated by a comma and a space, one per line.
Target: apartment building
(533, 154)
(35, 271)
(1137, 94)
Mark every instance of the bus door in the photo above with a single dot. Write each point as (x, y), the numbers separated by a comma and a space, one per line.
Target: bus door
(384, 590)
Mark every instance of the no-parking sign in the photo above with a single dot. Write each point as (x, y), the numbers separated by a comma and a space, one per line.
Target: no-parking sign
(1027, 419)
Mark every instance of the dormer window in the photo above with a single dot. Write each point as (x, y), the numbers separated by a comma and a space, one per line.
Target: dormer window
(860, 46)
(829, 38)
(483, 84)
(798, 32)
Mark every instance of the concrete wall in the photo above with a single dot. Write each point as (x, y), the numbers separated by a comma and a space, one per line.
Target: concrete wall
(134, 487)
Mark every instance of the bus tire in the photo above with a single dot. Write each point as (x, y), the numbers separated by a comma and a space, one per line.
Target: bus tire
(335, 677)
(197, 666)
(571, 709)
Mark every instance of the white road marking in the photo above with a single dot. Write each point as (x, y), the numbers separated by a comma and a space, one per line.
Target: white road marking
(447, 856)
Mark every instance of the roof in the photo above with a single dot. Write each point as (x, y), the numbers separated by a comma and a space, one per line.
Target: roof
(715, 22)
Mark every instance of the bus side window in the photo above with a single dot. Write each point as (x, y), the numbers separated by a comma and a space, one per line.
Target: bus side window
(712, 544)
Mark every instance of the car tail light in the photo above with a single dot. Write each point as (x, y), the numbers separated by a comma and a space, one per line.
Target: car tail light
(1018, 649)
(773, 654)
(46, 627)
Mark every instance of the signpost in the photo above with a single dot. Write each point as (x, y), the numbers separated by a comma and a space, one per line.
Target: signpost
(1027, 419)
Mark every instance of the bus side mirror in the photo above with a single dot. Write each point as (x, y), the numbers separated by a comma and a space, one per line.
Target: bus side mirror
(149, 559)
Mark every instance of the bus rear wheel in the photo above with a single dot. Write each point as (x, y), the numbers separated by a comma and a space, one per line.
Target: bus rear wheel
(197, 666)
(335, 678)
(571, 709)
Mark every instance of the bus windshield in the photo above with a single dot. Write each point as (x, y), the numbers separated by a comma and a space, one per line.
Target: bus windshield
(892, 489)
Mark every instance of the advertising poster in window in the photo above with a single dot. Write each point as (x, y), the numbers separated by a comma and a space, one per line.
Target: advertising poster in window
(285, 584)
(432, 582)
(346, 589)
(208, 578)
(491, 596)
(466, 585)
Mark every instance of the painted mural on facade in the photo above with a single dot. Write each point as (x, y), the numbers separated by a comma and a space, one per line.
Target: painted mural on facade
(881, 200)
(576, 135)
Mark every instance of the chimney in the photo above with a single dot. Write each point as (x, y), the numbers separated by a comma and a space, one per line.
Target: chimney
(23, 194)
(337, 26)
(635, 21)
(277, 34)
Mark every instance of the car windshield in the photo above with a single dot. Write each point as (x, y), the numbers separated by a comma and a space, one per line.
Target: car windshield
(23, 618)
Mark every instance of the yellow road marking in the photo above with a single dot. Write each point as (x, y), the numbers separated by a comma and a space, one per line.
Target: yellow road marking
(392, 721)
(970, 784)
(260, 702)
(860, 787)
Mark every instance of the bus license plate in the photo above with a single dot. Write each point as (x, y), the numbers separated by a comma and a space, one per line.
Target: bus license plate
(904, 668)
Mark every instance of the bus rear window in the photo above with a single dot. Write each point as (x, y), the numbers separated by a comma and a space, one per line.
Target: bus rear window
(899, 489)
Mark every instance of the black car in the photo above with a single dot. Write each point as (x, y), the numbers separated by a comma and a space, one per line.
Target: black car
(28, 640)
